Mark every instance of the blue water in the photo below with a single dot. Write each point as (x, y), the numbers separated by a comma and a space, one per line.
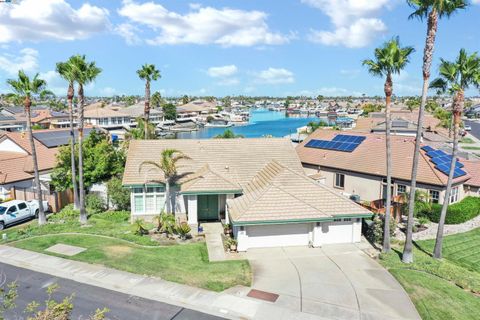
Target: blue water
(262, 122)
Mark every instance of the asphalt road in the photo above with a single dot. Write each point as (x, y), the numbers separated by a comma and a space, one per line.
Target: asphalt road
(475, 128)
(32, 285)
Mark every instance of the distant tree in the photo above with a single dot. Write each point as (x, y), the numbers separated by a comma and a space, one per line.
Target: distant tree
(227, 102)
(157, 101)
(149, 73)
(129, 100)
(102, 161)
(413, 104)
(185, 99)
(320, 98)
(210, 99)
(169, 111)
(228, 134)
(138, 133)
(117, 194)
(370, 107)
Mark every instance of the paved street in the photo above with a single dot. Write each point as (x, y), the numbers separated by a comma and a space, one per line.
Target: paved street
(32, 285)
(475, 128)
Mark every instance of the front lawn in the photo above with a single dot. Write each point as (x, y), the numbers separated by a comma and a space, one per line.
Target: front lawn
(446, 289)
(183, 263)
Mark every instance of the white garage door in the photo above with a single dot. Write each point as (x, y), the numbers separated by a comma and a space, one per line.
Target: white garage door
(337, 232)
(280, 235)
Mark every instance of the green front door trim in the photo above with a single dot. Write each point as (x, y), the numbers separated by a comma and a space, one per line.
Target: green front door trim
(207, 206)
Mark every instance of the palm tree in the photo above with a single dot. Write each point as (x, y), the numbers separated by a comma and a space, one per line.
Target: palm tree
(138, 133)
(432, 10)
(67, 72)
(85, 72)
(455, 77)
(168, 165)
(390, 59)
(156, 101)
(148, 72)
(26, 89)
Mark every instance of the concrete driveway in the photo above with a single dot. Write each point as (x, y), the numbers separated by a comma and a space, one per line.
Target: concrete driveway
(335, 282)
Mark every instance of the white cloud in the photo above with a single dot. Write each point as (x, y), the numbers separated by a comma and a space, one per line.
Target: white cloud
(33, 20)
(274, 76)
(223, 71)
(128, 32)
(202, 25)
(27, 61)
(355, 22)
(55, 83)
(336, 91)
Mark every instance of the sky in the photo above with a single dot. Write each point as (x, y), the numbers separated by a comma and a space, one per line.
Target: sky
(225, 47)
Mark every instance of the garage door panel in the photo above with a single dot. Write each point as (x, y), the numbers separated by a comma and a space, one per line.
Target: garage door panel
(337, 232)
(278, 235)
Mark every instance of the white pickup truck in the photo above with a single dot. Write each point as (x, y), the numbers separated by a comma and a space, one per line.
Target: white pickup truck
(12, 212)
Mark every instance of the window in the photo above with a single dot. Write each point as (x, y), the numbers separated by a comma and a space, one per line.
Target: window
(150, 200)
(22, 206)
(434, 196)
(12, 210)
(401, 189)
(454, 195)
(337, 219)
(339, 180)
(347, 219)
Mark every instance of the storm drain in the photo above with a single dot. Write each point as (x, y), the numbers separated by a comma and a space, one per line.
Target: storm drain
(262, 295)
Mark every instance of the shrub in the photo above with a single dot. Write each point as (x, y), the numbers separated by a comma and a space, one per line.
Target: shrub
(118, 195)
(374, 231)
(167, 223)
(95, 204)
(67, 213)
(183, 229)
(138, 228)
(459, 212)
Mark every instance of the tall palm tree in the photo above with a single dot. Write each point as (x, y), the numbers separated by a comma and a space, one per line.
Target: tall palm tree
(67, 72)
(27, 89)
(148, 72)
(390, 59)
(85, 72)
(432, 10)
(156, 101)
(168, 165)
(455, 77)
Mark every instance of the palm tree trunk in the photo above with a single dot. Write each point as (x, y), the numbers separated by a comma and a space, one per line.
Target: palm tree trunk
(76, 202)
(167, 195)
(457, 109)
(147, 107)
(407, 256)
(81, 101)
(386, 228)
(41, 212)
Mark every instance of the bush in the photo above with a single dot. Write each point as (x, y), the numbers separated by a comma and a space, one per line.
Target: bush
(166, 223)
(67, 213)
(459, 212)
(138, 228)
(95, 204)
(374, 231)
(118, 195)
(183, 229)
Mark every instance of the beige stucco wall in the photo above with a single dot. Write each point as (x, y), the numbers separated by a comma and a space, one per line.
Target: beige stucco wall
(370, 187)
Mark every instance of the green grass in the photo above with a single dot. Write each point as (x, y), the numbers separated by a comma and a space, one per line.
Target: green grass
(441, 289)
(471, 148)
(182, 263)
(467, 140)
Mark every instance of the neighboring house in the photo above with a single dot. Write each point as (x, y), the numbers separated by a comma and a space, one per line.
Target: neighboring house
(196, 108)
(106, 118)
(137, 111)
(48, 119)
(257, 185)
(361, 171)
(12, 122)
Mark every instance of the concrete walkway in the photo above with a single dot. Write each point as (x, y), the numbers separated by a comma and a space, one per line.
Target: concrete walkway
(229, 304)
(213, 237)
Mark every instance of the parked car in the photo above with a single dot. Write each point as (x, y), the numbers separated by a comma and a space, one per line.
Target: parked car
(15, 211)
(467, 127)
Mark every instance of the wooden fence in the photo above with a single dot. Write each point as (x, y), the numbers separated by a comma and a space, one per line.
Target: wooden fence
(56, 200)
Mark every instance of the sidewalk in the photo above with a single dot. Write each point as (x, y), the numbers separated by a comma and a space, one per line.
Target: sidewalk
(223, 304)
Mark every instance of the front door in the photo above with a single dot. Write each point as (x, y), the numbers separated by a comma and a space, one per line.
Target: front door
(208, 207)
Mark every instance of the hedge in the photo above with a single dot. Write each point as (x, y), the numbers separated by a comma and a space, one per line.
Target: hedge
(459, 212)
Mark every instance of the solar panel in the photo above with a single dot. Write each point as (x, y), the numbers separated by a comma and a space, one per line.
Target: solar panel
(445, 169)
(340, 142)
(427, 148)
(56, 138)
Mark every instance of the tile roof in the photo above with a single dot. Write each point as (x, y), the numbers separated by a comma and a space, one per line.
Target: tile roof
(473, 167)
(21, 167)
(369, 157)
(237, 161)
(277, 193)
(103, 113)
(206, 179)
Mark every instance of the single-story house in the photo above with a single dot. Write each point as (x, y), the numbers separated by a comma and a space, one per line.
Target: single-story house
(361, 170)
(256, 185)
